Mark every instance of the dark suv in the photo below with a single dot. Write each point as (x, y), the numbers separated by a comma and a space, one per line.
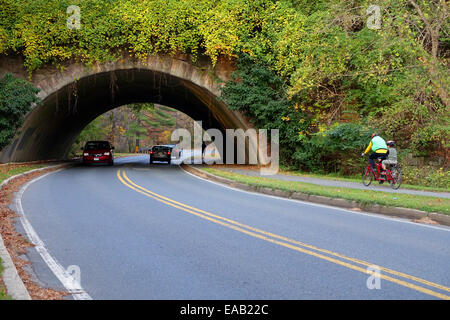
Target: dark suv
(98, 152)
(160, 153)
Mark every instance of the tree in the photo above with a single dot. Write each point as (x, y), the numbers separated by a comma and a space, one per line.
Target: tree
(434, 17)
(138, 120)
(16, 98)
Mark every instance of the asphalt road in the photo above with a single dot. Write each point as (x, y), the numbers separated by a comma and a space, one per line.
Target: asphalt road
(156, 232)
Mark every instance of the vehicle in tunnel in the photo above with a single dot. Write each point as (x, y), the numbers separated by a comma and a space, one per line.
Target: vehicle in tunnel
(176, 151)
(161, 153)
(73, 99)
(98, 152)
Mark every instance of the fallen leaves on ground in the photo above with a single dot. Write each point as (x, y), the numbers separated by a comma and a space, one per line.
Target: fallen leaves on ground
(425, 220)
(15, 243)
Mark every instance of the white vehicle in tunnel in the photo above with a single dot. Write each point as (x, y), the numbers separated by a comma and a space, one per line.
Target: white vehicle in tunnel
(176, 151)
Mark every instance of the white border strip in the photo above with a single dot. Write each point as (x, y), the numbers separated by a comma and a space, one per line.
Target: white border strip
(58, 270)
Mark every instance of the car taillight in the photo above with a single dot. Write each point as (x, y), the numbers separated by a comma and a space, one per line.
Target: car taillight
(168, 152)
(151, 152)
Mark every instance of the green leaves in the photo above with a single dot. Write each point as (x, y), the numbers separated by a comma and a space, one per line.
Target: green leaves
(258, 91)
(16, 99)
(333, 150)
(302, 65)
(37, 29)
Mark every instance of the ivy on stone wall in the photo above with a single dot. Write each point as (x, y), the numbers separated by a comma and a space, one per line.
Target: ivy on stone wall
(331, 65)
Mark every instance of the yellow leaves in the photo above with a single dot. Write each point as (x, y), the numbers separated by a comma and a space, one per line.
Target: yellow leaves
(250, 52)
(122, 130)
(322, 128)
(286, 119)
(144, 26)
(299, 107)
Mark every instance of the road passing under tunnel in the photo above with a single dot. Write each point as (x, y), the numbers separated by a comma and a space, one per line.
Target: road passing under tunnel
(140, 231)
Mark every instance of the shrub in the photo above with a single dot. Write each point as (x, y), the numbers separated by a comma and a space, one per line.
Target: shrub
(337, 149)
(16, 99)
(426, 176)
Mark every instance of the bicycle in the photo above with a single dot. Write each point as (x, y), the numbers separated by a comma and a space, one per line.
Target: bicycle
(393, 176)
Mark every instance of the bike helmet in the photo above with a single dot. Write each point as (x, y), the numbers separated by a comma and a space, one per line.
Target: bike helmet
(390, 143)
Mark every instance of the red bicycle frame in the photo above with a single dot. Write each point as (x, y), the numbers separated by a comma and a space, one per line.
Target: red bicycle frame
(388, 176)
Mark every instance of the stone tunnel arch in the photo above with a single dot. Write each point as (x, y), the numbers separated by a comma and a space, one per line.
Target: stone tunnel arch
(75, 95)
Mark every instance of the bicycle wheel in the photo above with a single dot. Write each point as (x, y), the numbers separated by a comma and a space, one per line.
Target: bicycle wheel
(396, 174)
(367, 176)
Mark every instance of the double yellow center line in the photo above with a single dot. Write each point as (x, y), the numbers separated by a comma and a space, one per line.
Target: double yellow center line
(403, 279)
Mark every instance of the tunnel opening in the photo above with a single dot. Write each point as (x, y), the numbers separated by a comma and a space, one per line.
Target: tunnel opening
(51, 128)
(136, 128)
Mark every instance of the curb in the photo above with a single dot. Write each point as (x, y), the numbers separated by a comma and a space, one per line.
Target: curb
(336, 202)
(14, 284)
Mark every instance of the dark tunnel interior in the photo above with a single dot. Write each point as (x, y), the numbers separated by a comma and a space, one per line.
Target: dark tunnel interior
(51, 128)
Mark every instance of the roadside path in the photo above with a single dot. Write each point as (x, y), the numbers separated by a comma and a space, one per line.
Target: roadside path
(335, 183)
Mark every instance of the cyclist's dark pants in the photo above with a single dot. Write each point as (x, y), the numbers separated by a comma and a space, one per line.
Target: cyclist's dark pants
(373, 156)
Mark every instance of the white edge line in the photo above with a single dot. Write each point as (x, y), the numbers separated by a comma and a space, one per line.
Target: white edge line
(58, 270)
(14, 284)
(373, 215)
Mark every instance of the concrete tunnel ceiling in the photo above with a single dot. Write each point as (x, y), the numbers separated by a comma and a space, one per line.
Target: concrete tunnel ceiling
(51, 128)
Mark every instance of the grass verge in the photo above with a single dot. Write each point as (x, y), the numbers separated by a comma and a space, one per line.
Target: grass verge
(335, 177)
(365, 197)
(354, 178)
(10, 170)
(358, 179)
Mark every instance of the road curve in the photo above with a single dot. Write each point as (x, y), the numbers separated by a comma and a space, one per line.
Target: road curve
(156, 232)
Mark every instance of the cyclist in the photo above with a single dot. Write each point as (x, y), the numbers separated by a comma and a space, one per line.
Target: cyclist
(392, 155)
(379, 148)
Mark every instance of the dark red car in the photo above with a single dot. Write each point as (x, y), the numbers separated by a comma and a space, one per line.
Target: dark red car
(98, 152)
